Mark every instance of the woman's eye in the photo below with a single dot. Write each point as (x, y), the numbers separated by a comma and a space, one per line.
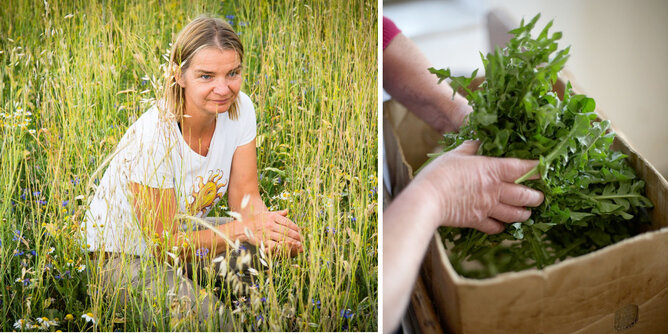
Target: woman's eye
(205, 76)
(234, 73)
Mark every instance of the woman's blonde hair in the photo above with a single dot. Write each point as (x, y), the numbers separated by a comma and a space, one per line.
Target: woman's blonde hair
(202, 32)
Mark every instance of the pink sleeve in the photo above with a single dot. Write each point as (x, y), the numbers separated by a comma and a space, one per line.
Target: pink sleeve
(390, 31)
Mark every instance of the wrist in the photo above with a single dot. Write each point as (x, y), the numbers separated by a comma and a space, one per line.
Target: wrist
(424, 200)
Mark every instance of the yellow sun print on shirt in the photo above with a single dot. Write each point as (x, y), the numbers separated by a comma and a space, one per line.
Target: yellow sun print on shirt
(205, 194)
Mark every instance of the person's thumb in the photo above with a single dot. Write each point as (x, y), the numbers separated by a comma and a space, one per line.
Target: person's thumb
(283, 212)
(468, 147)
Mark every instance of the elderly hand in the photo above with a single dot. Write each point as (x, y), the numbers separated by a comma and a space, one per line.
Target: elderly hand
(479, 192)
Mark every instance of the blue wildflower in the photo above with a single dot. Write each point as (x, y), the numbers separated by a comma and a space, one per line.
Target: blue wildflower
(65, 202)
(26, 281)
(18, 253)
(347, 313)
(229, 17)
(75, 181)
(33, 252)
(315, 303)
(259, 318)
(41, 202)
(263, 299)
(36, 193)
(202, 252)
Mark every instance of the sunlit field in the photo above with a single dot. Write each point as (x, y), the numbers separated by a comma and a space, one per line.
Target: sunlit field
(75, 76)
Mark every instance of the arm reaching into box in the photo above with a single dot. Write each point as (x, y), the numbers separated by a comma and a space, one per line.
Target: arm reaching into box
(458, 189)
(406, 78)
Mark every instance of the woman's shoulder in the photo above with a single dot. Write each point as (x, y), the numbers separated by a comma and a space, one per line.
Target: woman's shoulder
(245, 102)
(151, 122)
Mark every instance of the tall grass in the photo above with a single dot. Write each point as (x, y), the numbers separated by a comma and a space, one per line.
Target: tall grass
(75, 75)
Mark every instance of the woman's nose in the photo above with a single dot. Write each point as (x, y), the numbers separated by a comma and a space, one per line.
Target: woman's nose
(221, 87)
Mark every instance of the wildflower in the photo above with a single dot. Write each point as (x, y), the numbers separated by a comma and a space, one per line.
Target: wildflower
(330, 230)
(51, 250)
(41, 202)
(17, 235)
(315, 303)
(202, 252)
(65, 202)
(284, 196)
(18, 253)
(45, 323)
(70, 262)
(36, 193)
(89, 317)
(22, 323)
(33, 252)
(81, 268)
(347, 314)
(75, 181)
(69, 317)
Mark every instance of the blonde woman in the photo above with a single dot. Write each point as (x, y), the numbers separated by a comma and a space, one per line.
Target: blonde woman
(178, 160)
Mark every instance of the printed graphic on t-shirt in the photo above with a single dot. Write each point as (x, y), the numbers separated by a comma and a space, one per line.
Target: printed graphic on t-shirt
(205, 194)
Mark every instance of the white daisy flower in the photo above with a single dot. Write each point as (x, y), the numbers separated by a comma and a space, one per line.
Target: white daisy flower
(45, 323)
(21, 324)
(81, 268)
(89, 317)
(284, 196)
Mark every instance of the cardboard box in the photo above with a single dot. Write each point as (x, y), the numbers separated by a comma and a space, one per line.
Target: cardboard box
(622, 288)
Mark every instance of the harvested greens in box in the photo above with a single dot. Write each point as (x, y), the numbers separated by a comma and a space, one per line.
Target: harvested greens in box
(592, 197)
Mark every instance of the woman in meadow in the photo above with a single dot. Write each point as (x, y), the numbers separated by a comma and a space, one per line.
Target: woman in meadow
(173, 165)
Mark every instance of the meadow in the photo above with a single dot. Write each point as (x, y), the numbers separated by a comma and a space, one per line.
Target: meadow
(76, 74)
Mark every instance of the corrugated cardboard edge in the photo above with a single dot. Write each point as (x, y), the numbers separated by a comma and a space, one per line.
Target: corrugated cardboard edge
(464, 301)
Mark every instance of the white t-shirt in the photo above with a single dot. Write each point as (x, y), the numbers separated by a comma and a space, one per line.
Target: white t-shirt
(153, 153)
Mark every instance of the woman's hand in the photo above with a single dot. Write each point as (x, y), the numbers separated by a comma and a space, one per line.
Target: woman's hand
(478, 192)
(276, 231)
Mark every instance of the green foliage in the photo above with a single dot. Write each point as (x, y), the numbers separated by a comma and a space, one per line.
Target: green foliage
(592, 196)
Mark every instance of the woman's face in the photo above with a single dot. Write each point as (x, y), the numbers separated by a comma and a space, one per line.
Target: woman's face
(211, 81)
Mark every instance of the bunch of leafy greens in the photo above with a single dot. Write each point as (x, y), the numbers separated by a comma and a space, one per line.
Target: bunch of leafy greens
(592, 196)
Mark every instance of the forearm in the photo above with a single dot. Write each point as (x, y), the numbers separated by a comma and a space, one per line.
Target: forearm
(408, 225)
(407, 79)
(208, 238)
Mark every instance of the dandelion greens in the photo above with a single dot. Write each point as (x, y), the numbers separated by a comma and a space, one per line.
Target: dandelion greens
(592, 197)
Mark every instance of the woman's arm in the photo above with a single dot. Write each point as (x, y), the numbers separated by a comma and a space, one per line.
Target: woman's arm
(273, 228)
(156, 209)
(406, 78)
